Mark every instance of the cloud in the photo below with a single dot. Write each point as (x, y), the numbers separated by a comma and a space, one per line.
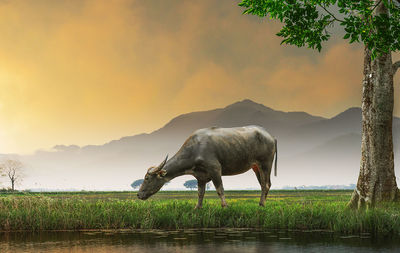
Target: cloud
(86, 72)
(325, 87)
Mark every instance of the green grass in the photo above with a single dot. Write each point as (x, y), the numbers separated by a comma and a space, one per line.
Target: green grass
(300, 210)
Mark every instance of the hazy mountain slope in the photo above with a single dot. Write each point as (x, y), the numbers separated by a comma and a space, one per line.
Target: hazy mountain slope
(312, 150)
(335, 159)
(310, 135)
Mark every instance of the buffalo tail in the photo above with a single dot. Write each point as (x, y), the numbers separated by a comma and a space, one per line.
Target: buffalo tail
(276, 158)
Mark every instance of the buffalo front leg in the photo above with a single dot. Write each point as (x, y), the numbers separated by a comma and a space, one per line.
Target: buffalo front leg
(201, 186)
(217, 181)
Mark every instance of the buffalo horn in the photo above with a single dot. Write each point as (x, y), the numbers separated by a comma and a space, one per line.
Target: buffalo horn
(162, 164)
(154, 170)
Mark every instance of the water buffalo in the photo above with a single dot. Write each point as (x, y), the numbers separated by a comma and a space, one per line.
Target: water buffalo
(210, 153)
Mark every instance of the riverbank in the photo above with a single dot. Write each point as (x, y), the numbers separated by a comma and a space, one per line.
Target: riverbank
(315, 210)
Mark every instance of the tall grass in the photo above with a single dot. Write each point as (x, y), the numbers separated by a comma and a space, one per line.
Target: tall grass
(38, 212)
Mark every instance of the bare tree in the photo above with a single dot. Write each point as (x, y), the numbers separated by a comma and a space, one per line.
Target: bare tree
(13, 170)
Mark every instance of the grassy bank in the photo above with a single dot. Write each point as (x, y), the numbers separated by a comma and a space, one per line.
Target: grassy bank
(307, 210)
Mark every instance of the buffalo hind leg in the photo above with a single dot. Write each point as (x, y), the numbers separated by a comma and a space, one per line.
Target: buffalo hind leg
(256, 170)
(217, 181)
(201, 186)
(265, 181)
(261, 179)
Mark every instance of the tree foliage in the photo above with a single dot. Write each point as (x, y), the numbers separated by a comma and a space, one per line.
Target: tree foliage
(307, 22)
(191, 184)
(136, 184)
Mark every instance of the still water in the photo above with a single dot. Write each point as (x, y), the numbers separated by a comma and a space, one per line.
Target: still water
(207, 241)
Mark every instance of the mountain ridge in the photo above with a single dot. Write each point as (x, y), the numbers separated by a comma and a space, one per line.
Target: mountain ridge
(182, 117)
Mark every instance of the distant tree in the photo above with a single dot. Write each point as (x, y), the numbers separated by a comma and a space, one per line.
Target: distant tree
(136, 184)
(191, 184)
(13, 170)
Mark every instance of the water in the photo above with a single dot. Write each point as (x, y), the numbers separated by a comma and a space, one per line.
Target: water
(206, 240)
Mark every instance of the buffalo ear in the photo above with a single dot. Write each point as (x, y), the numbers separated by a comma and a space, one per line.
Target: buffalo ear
(152, 170)
(162, 173)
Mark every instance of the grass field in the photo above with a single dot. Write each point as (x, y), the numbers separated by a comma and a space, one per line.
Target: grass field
(297, 210)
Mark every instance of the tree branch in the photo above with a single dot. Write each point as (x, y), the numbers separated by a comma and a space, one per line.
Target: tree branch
(396, 66)
(376, 5)
(331, 14)
(396, 3)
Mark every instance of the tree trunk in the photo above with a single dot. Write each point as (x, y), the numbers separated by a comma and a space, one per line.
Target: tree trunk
(12, 185)
(376, 181)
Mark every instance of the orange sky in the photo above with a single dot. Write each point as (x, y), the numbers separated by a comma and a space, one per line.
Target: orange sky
(86, 72)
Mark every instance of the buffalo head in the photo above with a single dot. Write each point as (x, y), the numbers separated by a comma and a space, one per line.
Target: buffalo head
(153, 181)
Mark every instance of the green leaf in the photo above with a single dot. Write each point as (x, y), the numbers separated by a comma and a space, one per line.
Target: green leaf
(306, 23)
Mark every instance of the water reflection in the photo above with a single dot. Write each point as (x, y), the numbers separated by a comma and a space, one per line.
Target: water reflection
(201, 241)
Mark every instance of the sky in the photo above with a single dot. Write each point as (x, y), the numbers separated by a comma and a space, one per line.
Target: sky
(89, 71)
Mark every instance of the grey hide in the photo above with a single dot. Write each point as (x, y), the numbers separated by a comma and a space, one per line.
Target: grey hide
(210, 153)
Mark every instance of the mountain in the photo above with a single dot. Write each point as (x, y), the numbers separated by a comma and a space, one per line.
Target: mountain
(312, 150)
(242, 113)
